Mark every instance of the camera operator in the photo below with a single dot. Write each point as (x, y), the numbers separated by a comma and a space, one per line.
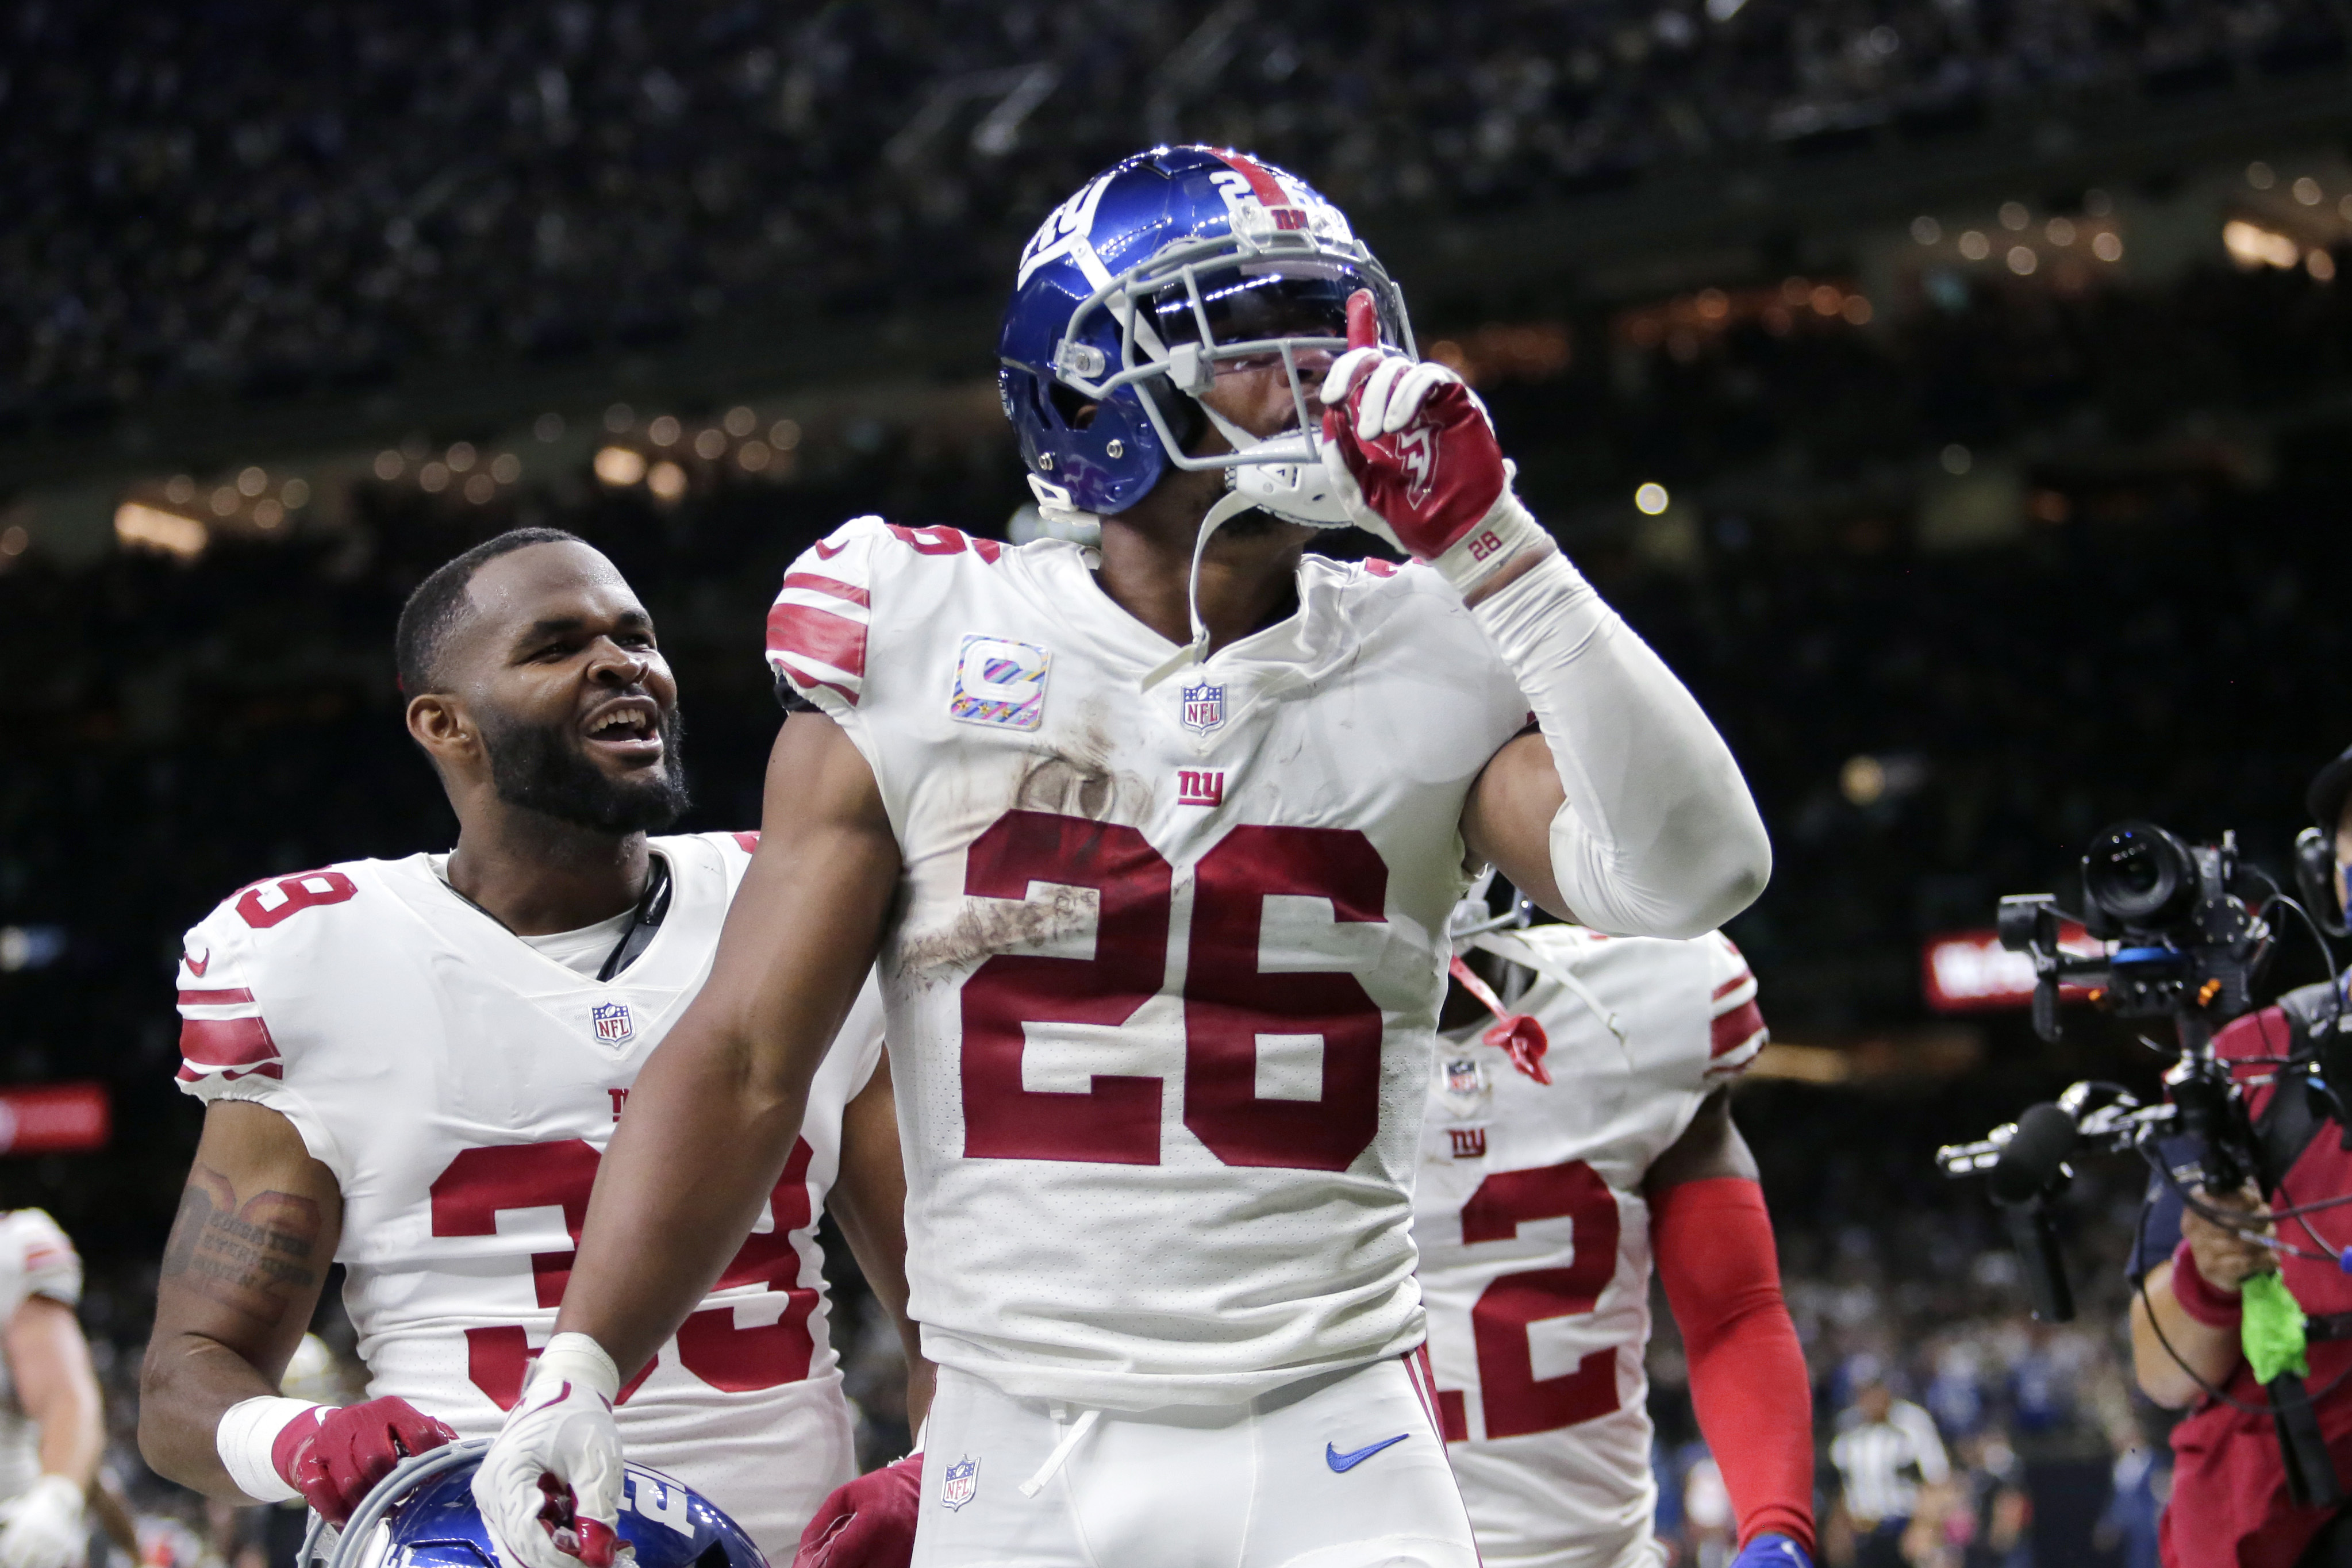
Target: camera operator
(2233, 1504)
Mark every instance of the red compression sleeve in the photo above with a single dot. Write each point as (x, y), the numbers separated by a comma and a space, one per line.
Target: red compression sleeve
(1755, 1400)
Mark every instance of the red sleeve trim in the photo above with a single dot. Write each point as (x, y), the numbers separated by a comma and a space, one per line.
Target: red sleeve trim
(1713, 1240)
(818, 582)
(224, 997)
(228, 1042)
(799, 631)
(1735, 1028)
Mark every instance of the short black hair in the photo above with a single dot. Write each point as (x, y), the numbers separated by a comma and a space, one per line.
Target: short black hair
(437, 606)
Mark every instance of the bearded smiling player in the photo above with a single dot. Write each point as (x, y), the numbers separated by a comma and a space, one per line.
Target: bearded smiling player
(411, 1066)
(1157, 847)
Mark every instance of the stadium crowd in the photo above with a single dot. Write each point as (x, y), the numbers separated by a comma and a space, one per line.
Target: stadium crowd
(278, 197)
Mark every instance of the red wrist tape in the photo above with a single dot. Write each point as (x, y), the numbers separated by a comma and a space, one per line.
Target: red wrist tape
(2203, 1300)
(1713, 1240)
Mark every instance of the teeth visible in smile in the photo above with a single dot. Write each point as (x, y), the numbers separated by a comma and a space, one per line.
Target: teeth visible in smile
(621, 718)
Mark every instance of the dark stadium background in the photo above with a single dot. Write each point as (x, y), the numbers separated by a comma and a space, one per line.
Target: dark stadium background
(1986, 359)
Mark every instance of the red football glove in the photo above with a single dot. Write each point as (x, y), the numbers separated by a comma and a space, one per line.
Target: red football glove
(869, 1523)
(1415, 440)
(335, 1455)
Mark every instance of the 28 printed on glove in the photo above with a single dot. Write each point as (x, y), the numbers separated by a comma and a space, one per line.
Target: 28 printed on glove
(1420, 465)
(330, 1456)
(869, 1522)
(44, 1526)
(549, 1487)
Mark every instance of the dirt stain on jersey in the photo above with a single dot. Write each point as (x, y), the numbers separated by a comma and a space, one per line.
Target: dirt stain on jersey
(983, 928)
(1075, 779)
(1078, 780)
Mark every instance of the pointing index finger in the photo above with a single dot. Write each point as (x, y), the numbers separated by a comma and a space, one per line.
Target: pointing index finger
(1363, 321)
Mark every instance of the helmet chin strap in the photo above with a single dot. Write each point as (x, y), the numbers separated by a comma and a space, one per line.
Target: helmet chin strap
(1230, 505)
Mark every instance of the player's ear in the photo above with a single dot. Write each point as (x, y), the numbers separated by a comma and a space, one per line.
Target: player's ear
(439, 722)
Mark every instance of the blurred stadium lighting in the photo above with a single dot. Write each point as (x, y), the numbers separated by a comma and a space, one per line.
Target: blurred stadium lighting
(2260, 175)
(667, 480)
(2108, 246)
(2321, 265)
(139, 526)
(2022, 260)
(2307, 191)
(461, 456)
(388, 466)
(2250, 244)
(740, 422)
(619, 417)
(1862, 780)
(784, 435)
(252, 482)
(710, 444)
(1926, 229)
(14, 539)
(618, 466)
(1956, 459)
(663, 431)
(1651, 498)
(2014, 217)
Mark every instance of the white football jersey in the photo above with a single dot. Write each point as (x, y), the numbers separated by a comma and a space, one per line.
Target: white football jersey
(36, 1259)
(1162, 988)
(462, 1087)
(1535, 1234)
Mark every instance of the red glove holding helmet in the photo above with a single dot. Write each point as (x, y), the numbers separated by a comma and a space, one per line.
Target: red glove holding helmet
(868, 1524)
(334, 1455)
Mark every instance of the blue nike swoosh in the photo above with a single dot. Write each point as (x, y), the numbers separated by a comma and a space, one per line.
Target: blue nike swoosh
(1343, 1463)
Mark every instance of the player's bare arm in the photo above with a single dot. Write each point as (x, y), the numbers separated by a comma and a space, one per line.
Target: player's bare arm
(1710, 1147)
(869, 1202)
(49, 1360)
(717, 1105)
(257, 1226)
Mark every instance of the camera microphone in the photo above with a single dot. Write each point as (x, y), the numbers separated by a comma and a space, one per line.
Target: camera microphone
(2029, 1166)
(2031, 1161)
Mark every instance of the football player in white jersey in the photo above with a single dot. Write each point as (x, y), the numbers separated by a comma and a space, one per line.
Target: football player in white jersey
(52, 1427)
(412, 1067)
(1157, 845)
(1539, 1209)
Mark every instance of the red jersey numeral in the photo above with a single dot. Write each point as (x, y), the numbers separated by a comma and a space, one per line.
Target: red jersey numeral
(264, 904)
(1515, 1401)
(1118, 1120)
(481, 1184)
(1228, 1002)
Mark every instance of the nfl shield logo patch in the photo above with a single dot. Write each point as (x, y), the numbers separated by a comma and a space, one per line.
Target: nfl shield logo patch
(960, 1484)
(612, 1021)
(1204, 708)
(1463, 1077)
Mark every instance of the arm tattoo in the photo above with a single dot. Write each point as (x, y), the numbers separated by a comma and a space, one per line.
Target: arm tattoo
(249, 1257)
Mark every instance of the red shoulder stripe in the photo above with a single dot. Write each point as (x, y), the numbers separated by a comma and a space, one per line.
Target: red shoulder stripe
(1735, 1028)
(1732, 985)
(222, 998)
(227, 1042)
(809, 633)
(818, 582)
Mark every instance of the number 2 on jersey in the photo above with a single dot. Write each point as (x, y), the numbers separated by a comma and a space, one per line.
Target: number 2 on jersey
(480, 1183)
(1229, 1002)
(1514, 1402)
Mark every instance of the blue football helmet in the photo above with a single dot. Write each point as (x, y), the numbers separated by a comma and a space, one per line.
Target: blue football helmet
(1132, 294)
(422, 1515)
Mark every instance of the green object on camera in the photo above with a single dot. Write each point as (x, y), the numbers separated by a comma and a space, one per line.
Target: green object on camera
(2269, 1327)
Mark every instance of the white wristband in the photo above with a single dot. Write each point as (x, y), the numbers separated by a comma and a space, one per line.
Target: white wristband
(247, 1434)
(578, 1359)
(1506, 533)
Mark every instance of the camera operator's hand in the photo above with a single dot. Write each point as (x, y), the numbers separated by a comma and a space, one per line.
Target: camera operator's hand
(2226, 1256)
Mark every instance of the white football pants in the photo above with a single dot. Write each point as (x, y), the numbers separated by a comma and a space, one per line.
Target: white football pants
(1342, 1470)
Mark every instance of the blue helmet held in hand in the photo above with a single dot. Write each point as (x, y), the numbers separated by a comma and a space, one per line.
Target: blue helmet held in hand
(423, 1515)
